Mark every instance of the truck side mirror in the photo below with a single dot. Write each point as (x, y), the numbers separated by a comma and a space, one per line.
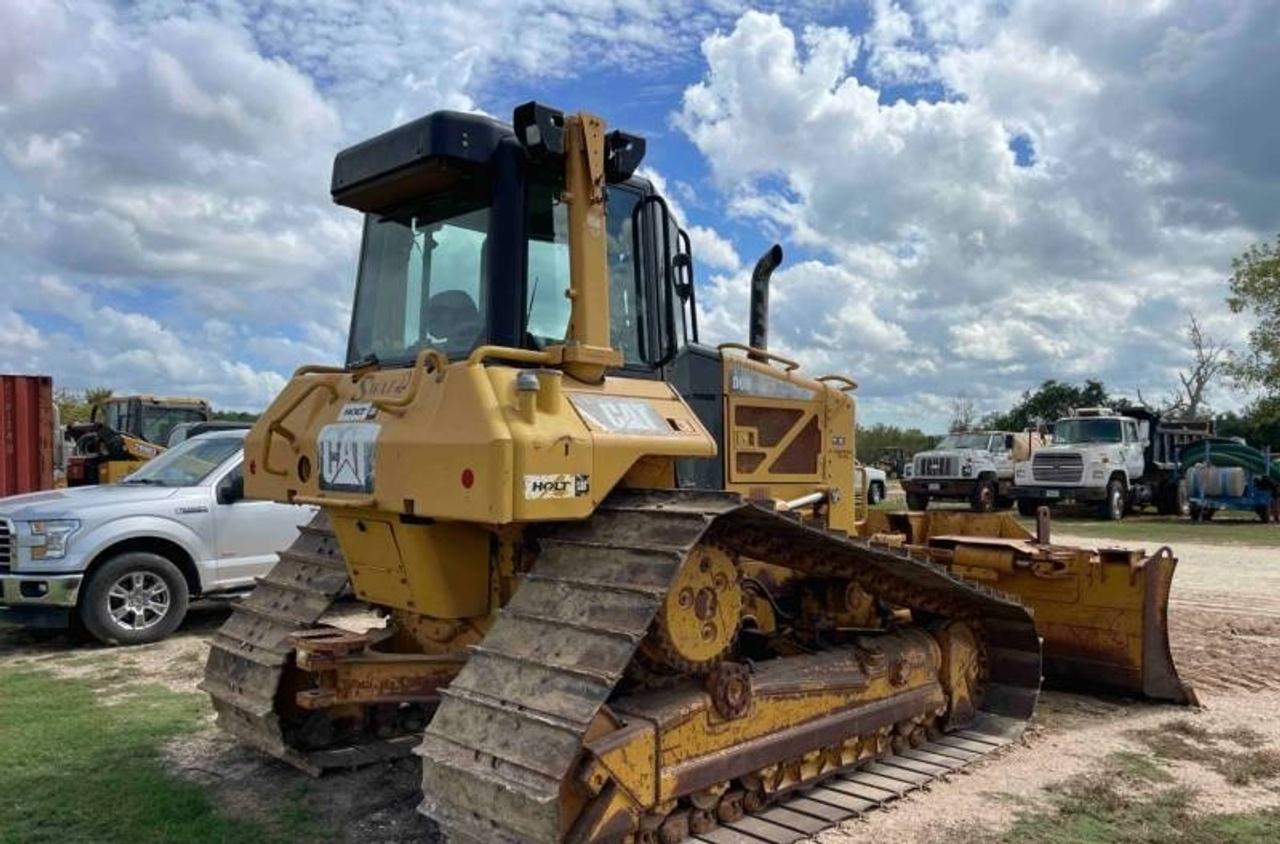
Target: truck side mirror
(231, 488)
(1008, 441)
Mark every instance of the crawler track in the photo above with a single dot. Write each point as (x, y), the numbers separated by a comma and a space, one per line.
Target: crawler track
(248, 671)
(858, 791)
(511, 728)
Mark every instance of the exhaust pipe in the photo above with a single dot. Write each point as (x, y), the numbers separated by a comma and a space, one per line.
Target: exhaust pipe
(759, 323)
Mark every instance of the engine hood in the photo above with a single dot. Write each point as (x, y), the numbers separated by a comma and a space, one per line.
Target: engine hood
(974, 454)
(72, 503)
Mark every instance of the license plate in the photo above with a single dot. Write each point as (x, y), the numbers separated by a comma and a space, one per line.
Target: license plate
(1051, 493)
(934, 487)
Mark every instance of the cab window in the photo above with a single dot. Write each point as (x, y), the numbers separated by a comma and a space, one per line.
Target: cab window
(547, 308)
(546, 313)
(626, 288)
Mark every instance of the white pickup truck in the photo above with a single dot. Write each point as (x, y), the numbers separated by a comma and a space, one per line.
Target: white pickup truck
(125, 559)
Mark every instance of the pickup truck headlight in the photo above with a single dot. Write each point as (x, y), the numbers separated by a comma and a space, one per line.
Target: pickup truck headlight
(966, 470)
(908, 470)
(50, 538)
(1020, 472)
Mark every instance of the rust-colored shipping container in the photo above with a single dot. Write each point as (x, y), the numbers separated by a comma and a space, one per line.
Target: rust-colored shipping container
(26, 425)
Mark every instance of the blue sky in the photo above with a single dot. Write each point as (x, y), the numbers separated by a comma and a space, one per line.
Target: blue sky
(973, 196)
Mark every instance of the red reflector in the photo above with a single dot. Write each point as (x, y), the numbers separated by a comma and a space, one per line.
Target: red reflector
(253, 467)
(468, 478)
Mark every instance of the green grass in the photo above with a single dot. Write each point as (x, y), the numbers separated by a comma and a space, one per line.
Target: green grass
(73, 769)
(1235, 754)
(1128, 801)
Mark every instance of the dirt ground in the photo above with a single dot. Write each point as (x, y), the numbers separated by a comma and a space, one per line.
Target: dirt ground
(1225, 632)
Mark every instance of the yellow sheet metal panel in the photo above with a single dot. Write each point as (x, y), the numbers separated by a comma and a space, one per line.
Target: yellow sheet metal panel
(438, 569)
(787, 435)
(466, 443)
(838, 457)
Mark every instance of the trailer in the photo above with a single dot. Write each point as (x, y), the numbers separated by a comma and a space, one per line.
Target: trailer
(1229, 475)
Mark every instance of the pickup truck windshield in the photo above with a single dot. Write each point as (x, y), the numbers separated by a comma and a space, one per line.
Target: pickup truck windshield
(187, 464)
(1087, 431)
(965, 441)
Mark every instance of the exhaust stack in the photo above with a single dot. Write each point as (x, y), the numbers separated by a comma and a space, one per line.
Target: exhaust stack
(759, 322)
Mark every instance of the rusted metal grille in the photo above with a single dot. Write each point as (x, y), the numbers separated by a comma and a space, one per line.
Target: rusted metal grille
(772, 424)
(801, 457)
(1058, 468)
(936, 467)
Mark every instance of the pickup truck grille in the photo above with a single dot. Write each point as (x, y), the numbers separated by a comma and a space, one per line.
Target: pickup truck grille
(936, 467)
(6, 545)
(1058, 468)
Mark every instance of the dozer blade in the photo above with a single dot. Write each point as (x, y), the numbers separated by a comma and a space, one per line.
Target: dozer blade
(1103, 613)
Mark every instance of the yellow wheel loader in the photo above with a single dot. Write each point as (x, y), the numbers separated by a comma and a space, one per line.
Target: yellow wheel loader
(630, 592)
(123, 433)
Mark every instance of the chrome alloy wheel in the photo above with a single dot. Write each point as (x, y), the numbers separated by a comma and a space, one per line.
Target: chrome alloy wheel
(139, 600)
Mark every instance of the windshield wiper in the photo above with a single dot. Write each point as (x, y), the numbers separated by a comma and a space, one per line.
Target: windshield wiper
(144, 481)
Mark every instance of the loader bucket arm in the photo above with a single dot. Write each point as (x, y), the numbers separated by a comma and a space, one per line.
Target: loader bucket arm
(1102, 613)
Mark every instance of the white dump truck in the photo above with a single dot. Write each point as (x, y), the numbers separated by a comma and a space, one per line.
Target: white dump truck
(1117, 460)
(975, 466)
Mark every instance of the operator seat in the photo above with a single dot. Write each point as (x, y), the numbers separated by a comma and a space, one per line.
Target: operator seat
(453, 318)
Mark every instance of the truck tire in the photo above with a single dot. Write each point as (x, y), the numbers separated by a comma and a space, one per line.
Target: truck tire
(1116, 503)
(917, 501)
(983, 499)
(1028, 507)
(875, 493)
(134, 598)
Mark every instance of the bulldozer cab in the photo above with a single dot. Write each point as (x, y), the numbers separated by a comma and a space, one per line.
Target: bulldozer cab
(482, 257)
(471, 244)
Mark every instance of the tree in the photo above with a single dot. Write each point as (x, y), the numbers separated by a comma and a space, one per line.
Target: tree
(76, 407)
(1255, 288)
(95, 396)
(1053, 399)
(871, 441)
(234, 416)
(1209, 359)
(964, 417)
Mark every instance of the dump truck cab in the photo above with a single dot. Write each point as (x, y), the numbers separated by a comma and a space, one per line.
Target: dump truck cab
(973, 466)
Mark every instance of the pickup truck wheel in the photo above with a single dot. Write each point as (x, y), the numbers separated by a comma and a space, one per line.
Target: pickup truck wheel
(1028, 506)
(875, 493)
(1114, 505)
(917, 501)
(984, 496)
(134, 598)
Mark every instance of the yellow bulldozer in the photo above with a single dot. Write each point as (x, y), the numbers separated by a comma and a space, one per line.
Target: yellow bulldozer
(630, 592)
